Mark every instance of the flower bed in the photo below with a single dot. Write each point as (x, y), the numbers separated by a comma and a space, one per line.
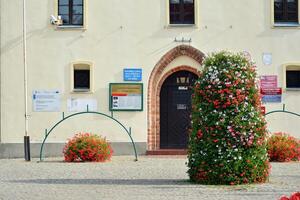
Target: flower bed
(227, 144)
(87, 147)
(283, 148)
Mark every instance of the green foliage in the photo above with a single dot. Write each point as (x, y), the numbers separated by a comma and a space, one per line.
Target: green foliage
(227, 144)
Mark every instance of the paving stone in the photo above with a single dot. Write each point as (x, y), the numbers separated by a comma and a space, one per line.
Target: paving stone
(122, 178)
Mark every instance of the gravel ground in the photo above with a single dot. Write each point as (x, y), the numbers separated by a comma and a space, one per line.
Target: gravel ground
(122, 178)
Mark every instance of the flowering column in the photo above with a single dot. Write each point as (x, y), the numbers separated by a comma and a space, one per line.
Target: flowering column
(227, 144)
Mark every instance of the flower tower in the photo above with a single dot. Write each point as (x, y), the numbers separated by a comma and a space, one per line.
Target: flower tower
(227, 144)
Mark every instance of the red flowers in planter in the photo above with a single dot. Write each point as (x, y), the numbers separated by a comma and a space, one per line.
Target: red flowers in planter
(294, 196)
(87, 147)
(283, 148)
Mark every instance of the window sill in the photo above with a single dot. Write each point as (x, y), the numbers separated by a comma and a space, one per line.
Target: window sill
(67, 27)
(292, 89)
(286, 25)
(181, 26)
(81, 91)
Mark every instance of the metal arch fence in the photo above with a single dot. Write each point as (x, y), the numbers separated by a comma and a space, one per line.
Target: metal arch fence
(282, 111)
(47, 133)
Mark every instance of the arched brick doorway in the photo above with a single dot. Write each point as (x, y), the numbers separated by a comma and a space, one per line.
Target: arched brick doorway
(157, 78)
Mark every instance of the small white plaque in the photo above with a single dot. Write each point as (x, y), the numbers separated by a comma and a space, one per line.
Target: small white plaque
(80, 105)
(267, 58)
(183, 88)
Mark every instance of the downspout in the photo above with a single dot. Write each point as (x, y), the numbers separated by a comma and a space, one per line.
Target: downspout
(0, 76)
(26, 136)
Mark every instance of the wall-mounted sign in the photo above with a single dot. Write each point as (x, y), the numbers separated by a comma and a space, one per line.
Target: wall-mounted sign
(130, 74)
(267, 58)
(126, 96)
(46, 101)
(268, 81)
(80, 105)
(271, 95)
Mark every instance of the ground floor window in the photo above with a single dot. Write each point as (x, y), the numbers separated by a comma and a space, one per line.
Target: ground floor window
(292, 76)
(82, 77)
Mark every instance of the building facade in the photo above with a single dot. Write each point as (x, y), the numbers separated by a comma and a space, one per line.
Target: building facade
(78, 49)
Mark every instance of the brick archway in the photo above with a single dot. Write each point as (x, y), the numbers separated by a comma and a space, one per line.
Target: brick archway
(155, 83)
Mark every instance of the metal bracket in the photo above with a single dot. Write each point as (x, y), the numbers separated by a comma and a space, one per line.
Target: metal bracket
(183, 40)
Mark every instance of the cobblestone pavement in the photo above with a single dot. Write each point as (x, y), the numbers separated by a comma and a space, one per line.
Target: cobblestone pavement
(122, 178)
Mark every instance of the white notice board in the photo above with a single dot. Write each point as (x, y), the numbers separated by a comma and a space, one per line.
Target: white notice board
(46, 101)
(80, 105)
(126, 96)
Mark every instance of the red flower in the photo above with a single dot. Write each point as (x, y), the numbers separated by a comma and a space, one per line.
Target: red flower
(199, 134)
(295, 196)
(284, 198)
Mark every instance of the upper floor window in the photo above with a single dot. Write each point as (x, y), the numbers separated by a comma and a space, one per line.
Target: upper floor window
(286, 11)
(182, 12)
(71, 12)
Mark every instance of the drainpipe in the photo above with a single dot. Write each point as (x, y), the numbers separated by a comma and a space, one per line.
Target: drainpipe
(0, 81)
(26, 136)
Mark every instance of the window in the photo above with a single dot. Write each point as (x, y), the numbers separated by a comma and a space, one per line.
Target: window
(291, 76)
(182, 11)
(286, 11)
(71, 12)
(293, 79)
(82, 77)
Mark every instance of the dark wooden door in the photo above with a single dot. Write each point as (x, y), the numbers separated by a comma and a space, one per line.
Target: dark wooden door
(175, 110)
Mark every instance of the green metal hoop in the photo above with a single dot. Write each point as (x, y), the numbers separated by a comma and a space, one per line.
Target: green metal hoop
(128, 131)
(282, 111)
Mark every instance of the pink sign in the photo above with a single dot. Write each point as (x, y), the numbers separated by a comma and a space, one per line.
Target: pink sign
(268, 81)
(271, 91)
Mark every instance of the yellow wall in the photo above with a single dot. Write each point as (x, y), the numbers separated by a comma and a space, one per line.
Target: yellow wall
(128, 33)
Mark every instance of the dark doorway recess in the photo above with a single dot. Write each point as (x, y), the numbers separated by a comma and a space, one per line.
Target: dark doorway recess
(175, 109)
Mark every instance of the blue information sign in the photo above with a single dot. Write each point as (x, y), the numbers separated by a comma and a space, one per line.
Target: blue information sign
(131, 74)
(271, 98)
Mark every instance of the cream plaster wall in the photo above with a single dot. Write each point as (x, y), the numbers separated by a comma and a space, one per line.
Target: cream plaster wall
(127, 33)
